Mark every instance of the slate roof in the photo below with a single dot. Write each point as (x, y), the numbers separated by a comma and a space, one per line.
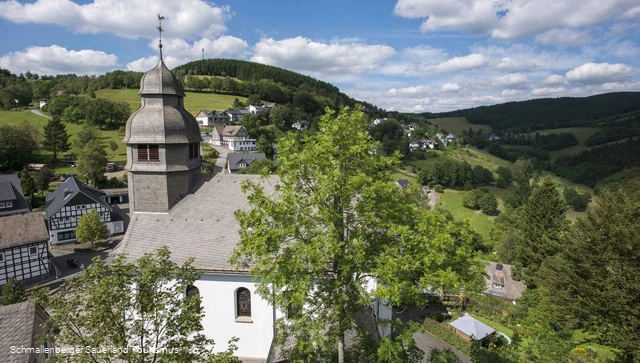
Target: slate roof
(56, 200)
(21, 324)
(10, 189)
(404, 183)
(512, 289)
(202, 225)
(472, 327)
(234, 159)
(160, 81)
(22, 230)
(231, 130)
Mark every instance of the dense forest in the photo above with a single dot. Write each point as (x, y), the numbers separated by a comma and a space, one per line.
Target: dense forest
(592, 166)
(271, 83)
(548, 113)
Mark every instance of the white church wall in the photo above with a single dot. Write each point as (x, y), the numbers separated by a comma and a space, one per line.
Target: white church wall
(218, 293)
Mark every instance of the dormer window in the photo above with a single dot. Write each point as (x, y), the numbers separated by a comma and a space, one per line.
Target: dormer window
(6, 204)
(194, 150)
(147, 152)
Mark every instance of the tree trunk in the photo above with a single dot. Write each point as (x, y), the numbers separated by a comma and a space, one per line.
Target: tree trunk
(341, 348)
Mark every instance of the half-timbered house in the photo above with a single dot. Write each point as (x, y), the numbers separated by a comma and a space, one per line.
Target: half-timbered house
(23, 247)
(70, 201)
(11, 198)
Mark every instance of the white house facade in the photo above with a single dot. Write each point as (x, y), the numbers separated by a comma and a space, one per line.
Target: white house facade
(236, 138)
(69, 202)
(24, 252)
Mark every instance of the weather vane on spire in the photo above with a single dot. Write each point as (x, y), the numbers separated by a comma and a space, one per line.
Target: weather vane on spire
(160, 30)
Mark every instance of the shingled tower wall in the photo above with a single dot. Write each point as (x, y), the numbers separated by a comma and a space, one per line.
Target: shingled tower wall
(163, 144)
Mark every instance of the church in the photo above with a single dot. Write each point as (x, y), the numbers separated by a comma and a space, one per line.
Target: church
(172, 204)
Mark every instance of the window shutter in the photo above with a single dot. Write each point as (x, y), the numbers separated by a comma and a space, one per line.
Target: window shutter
(143, 153)
(154, 154)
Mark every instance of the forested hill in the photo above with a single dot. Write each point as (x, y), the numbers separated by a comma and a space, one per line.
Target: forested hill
(548, 113)
(270, 83)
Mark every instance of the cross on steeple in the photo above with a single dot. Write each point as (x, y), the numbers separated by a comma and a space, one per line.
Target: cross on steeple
(160, 30)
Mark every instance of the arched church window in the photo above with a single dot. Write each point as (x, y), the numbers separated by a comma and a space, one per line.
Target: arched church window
(192, 291)
(243, 302)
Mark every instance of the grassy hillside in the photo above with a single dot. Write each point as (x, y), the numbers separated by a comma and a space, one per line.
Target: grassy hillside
(193, 102)
(471, 155)
(456, 125)
(581, 133)
(16, 118)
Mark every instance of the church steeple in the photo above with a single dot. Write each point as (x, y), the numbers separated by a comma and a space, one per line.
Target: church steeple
(163, 143)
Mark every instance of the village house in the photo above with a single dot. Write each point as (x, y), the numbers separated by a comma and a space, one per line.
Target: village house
(469, 328)
(236, 115)
(69, 202)
(236, 138)
(23, 325)
(300, 125)
(494, 137)
(257, 110)
(242, 161)
(211, 118)
(24, 252)
(403, 183)
(12, 200)
(500, 283)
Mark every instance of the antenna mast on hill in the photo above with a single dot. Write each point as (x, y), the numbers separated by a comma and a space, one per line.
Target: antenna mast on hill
(202, 53)
(160, 30)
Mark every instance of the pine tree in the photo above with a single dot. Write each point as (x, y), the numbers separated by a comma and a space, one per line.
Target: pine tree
(542, 225)
(594, 282)
(56, 137)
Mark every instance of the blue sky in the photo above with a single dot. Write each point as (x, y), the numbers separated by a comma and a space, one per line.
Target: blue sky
(407, 55)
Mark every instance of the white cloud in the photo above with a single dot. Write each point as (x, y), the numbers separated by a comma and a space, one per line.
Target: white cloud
(178, 51)
(510, 64)
(128, 19)
(320, 59)
(548, 91)
(458, 64)
(451, 87)
(518, 55)
(410, 91)
(510, 19)
(594, 73)
(59, 60)
(565, 37)
(554, 79)
(511, 93)
(513, 80)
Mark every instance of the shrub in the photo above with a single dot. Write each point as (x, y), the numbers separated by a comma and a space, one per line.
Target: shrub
(438, 188)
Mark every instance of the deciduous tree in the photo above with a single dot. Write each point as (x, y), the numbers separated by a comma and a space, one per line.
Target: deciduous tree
(352, 226)
(91, 162)
(91, 228)
(28, 183)
(130, 305)
(12, 292)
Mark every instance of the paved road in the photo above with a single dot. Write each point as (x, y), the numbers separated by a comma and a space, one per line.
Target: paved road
(433, 198)
(36, 112)
(221, 161)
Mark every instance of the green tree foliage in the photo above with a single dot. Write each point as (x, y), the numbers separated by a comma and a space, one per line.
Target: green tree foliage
(18, 145)
(519, 196)
(488, 203)
(454, 174)
(28, 183)
(91, 228)
(253, 99)
(236, 102)
(442, 356)
(11, 93)
(577, 201)
(110, 307)
(12, 292)
(482, 175)
(541, 227)
(593, 165)
(43, 179)
(548, 113)
(505, 177)
(113, 146)
(91, 162)
(56, 137)
(86, 135)
(264, 146)
(593, 282)
(352, 225)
